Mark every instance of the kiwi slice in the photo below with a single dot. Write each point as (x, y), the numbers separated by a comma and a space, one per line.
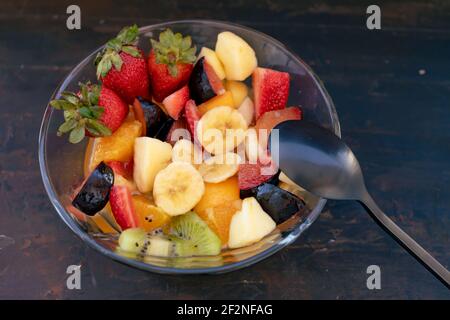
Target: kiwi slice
(192, 236)
(132, 240)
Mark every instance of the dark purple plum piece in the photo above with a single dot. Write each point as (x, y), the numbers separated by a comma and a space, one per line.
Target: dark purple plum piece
(156, 119)
(278, 203)
(199, 86)
(94, 194)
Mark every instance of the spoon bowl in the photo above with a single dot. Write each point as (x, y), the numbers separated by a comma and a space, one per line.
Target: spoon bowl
(324, 165)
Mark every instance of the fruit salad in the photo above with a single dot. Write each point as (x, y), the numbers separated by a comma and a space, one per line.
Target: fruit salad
(177, 162)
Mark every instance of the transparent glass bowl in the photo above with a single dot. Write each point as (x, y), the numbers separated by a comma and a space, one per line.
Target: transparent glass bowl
(61, 163)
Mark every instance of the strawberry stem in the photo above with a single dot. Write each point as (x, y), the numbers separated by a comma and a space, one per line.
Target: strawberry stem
(125, 41)
(173, 48)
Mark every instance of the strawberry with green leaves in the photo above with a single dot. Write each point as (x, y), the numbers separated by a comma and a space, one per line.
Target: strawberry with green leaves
(121, 66)
(170, 63)
(94, 111)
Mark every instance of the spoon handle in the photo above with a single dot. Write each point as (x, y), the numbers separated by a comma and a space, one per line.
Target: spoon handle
(406, 241)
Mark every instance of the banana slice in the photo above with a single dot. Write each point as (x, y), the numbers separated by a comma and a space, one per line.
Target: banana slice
(178, 188)
(185, 151)
(220, 167)
(221, 129)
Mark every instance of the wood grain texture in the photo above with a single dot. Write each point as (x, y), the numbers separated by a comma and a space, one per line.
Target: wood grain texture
(392, 92)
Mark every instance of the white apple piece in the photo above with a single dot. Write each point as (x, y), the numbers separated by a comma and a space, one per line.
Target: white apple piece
(249, 225)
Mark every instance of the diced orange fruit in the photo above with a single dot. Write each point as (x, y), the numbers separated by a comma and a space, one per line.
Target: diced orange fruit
(239, 91)
(219, 218)
(102, 223)
(88, 157)
(225, 99)
(217, 194)
(119, 146)
(150, 216)
(218, 205)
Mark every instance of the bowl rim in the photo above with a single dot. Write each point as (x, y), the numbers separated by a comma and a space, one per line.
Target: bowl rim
(76, 228)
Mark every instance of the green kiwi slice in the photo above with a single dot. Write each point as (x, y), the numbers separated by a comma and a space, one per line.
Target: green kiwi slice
(192, 236)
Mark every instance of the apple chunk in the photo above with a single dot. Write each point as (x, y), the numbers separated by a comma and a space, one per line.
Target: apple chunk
(249, 225)
(150, 156)
(236, 55)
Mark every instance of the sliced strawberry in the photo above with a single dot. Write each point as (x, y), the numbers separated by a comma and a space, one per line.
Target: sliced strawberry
(125, 169)
(128, 166)
(252, 175)
(192, 116)
(176, 102)
(271, 90)
(122, 207)
(213, 78)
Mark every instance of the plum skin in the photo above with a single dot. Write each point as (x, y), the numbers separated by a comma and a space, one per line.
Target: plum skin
(276, 202)
(157, 122)
(199, 85)
(94, 194)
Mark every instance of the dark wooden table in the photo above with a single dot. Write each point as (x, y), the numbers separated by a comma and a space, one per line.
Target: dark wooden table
(392, 92)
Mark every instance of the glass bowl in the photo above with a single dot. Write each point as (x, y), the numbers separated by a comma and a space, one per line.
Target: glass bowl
(61, 163)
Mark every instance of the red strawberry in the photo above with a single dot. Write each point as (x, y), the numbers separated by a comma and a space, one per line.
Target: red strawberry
(116, 110)
(170, 63)
(95, 111)
(192, 116)
(122, 67)
(176, 102)
(271, 90)
(125, 169)
(122, 207)
(252, 175)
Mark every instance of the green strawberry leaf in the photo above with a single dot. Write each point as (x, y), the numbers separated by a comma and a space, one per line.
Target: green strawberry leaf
(109, 56)
(97, 111)
(81, 112)
(77, 134)
(70, 114)
(116, 60)
(70, 97)
(132, 51)
(67, 126)
(85, 112)
(84, 92)
(99, 127)
(128, 35)
(172, 49)
(60, 104)
(94, 94)
(114, 44)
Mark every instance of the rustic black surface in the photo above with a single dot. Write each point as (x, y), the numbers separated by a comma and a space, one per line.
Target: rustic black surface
(391, 88)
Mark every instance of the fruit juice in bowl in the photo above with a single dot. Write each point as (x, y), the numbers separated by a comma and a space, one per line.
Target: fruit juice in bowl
(167, 136)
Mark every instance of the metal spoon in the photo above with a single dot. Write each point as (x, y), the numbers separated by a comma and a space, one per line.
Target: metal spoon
(324, 165)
